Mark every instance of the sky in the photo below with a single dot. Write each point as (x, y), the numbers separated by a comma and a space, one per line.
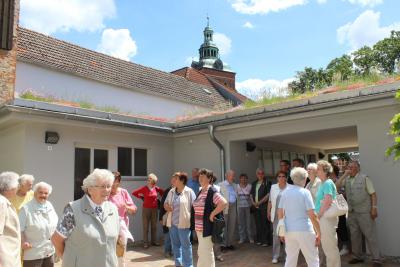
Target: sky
(264, 41)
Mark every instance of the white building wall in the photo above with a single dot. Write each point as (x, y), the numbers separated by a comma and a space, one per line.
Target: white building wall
(12, 151)
(56, 166)
(74, 88)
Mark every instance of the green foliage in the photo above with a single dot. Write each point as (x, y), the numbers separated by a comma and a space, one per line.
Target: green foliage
(394, 150)
(31, 95)
(310, 80)
(342, 66)
(387, 52)
(277, 99)
(364, 59)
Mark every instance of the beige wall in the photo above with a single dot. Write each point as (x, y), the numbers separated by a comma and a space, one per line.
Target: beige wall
(56, 166)
(12, 141)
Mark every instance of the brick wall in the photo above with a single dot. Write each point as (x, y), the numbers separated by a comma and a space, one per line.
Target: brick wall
(8, 63)
(224, 77)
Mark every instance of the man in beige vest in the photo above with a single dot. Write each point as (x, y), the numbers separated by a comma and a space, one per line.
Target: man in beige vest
(362, 200)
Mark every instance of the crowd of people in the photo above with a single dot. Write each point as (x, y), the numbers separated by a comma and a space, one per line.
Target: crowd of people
(290, 213)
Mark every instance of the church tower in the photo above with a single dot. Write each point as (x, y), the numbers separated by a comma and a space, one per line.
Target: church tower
(209, 62)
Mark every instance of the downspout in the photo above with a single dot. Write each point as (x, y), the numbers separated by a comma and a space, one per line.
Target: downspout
(211, 130)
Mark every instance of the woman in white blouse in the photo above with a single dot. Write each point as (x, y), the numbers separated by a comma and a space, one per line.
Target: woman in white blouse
(38, 221)
(275, 196)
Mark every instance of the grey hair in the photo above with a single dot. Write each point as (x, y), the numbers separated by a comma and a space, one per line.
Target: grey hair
(26, 177)
(43, 185)
(153, 178)
(326, 166)
(8, 181)
(298, 175)
(259, 169)
(355, 162)
(312, 165)
(229, 172)
(97, 175)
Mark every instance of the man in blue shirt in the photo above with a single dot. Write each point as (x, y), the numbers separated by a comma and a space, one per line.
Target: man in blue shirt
(193, 182)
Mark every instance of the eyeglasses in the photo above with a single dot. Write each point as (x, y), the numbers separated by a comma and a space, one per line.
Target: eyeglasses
(104, 186)
(281, 176)
(260, 173)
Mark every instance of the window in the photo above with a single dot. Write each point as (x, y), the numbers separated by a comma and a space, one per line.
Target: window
(140, 162)
(100, 159)
(125, 161)
(82, 170)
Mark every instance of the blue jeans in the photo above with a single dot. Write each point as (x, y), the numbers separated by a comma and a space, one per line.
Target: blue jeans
(180, 239)
(167, 243)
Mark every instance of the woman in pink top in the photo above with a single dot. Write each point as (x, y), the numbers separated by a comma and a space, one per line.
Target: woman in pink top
(121, 198)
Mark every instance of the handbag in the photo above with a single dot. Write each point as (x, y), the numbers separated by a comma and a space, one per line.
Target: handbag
(338, 207)
(281, 228)
(218, 229)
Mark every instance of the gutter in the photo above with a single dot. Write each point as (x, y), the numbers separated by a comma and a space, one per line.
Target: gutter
(268, 112)
(70, 116)
(211, 131)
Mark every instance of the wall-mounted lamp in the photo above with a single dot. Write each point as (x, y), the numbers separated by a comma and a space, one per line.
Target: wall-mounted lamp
(51, 138)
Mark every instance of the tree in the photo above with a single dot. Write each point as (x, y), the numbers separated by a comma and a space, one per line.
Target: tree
(364, 59)
(342, 66)
(387, 52)
(309, 80)
(395, 131)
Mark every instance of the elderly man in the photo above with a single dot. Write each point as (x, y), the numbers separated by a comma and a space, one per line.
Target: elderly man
(193, 182)
(229, 192)
(362, 201)
(10, 234)
(284, 166)
(24, 193)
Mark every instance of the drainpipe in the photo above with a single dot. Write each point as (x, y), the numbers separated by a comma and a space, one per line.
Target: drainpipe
(211, 130)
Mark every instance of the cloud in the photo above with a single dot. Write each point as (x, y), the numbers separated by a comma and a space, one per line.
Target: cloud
(364, 30)
(263, 6)
(257, 88)
(322, 1)
(50, 16)
(248, 25)
(118, 43)
(189, 60)
(370, 3)
(223, 42)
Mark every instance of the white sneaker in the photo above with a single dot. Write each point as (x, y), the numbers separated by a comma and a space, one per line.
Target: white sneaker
(240, 242)
(344, 251)
(251, 241)
(274, 261)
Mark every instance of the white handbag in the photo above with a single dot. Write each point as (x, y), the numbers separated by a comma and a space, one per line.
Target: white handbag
(338, 207)
(280, 228)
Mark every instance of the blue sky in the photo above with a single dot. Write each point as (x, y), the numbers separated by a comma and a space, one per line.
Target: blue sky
(264, 41)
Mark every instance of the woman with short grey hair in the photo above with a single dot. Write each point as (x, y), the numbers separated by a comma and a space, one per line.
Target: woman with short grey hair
(79, 245)
(38, 221)
(314, 182)
(10, 234)
(302, 232)
(24, 193)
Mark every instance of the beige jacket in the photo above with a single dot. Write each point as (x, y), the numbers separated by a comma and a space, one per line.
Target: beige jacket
(185, 207)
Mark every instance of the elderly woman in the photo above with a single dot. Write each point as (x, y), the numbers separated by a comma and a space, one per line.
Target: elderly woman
(314, 182)
(302, 232)
(38, 221)
(88, 231)
(10, 234)
(121, 198)
(24, 192)
(244, 203)
(208, 204)
(273, 204)
(149, 194)
(325, 195)
(178, 205)
(162, 217)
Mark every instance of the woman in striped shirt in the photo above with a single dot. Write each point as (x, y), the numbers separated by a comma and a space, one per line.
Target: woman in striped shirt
(208, 204)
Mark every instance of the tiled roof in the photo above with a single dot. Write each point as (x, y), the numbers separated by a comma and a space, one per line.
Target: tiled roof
(196, 76)
(37, 48)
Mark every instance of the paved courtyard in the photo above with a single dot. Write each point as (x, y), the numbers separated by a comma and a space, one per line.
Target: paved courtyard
(245, 255)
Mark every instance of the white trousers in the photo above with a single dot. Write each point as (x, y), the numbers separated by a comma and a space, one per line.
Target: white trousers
(304, 241)
(329, 241)
(205, 251)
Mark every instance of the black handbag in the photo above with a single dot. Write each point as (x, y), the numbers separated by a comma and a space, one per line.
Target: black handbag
(218, 229)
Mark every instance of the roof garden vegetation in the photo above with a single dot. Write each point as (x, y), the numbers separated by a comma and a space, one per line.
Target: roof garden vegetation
(364, 67)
